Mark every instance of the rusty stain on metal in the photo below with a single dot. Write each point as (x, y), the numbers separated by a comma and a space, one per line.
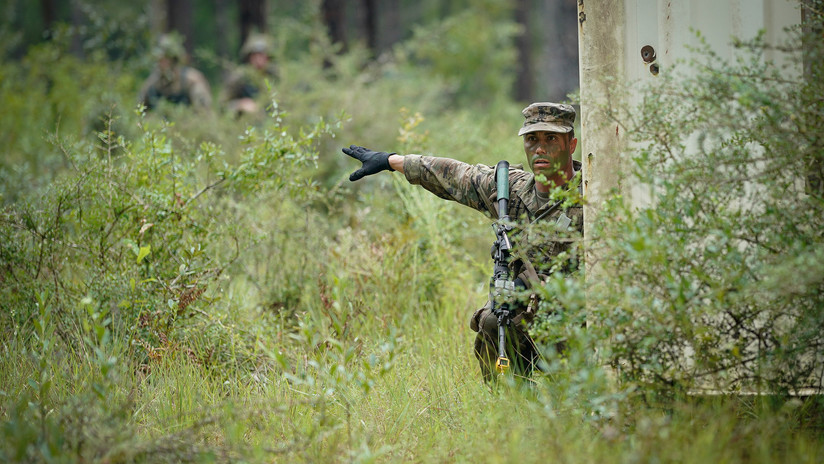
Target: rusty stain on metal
(589, 173)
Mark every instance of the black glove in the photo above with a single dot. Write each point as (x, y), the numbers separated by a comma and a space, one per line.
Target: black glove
(373, 161)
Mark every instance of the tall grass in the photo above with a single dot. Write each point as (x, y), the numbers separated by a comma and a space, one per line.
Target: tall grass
(287, 315)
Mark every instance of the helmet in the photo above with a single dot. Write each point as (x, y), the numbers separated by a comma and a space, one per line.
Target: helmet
(255, 43)
(170, 46)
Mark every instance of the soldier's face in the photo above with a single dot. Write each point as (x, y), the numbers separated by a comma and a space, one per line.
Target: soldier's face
(164, 63)
(258, 60)
(549, 152)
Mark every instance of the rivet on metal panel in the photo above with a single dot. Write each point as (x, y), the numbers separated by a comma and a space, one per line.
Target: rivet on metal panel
(582, 17)
(653, 69)
(647, 53)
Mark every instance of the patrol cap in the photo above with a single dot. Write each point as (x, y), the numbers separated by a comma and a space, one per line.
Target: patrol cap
(256, 43)
(170, 46)
(550, 117)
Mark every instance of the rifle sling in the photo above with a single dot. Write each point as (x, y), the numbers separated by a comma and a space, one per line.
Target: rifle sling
(549, 210)
(533, 280)
(531, 274)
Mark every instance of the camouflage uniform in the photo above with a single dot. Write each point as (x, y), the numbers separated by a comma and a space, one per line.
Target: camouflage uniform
(548, 246)
(475, 186)
(182, 86)
(247, 82)
(176, 83)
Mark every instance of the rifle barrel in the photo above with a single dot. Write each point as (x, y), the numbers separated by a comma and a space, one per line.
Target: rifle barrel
(500, 279)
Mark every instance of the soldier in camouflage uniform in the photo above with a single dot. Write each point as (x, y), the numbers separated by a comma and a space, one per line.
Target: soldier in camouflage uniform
(549, 141)
(173, 81)
(246, 84)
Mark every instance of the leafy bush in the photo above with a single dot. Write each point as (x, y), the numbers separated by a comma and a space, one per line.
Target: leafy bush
(52, 94)
(717, 283)
(473, 50)
(142, 231)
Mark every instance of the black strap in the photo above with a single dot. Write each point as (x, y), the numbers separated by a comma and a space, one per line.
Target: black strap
(549, 210)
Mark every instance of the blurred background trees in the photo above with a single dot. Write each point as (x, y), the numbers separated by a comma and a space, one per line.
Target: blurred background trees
(545, 34)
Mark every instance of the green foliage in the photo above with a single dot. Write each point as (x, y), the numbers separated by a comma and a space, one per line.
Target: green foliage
(138, 231)
(194, 288)
(473, 50)
(50, 94)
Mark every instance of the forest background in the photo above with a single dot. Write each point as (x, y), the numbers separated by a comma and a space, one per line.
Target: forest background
(182, 287)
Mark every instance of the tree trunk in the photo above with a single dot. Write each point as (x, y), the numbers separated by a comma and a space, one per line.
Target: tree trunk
(558, 69)
(222, 28)
(334, 16)
(525, 73)
(157, 16)
(77, 22)
(252, 18)
(370, 9)
(179, 18)
(48, 14)
(390, 29)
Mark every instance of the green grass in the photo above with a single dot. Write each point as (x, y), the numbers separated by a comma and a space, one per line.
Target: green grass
(337, 329)
(429, 406)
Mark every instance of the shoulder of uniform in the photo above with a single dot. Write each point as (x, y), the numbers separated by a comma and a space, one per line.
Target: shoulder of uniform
(518, 174)
(193, 73)
(154, 75)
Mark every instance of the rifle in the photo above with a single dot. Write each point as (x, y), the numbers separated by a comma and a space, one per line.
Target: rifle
(501, 284)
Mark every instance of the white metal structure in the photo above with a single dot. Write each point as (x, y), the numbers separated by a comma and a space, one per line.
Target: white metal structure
(626, 43)
(632, 41)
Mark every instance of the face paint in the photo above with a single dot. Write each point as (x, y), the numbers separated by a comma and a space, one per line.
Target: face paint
(549, 154)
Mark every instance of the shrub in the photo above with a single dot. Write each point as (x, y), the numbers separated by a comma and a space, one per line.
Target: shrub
(717, 282)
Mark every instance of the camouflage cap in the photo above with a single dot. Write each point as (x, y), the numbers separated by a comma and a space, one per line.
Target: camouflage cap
(551, 117)
(256, 43)
(170, 46)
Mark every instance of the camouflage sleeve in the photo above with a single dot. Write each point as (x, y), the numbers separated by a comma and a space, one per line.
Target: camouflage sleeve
(199, 91)
(143, 96)
(232, 89)
(470, 185)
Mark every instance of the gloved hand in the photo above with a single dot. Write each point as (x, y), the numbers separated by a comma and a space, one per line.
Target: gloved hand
(373, 161)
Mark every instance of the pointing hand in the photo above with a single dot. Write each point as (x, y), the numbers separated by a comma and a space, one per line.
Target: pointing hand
(373, 161)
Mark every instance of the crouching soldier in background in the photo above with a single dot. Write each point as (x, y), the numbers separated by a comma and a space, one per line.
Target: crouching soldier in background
(172, 81)
(246, 86)
(549, 141)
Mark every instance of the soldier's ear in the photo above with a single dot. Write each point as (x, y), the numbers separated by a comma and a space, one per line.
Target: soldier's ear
(572, 144)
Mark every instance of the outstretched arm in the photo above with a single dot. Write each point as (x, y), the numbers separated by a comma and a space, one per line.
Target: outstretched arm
(396, 161)
(449, 179)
